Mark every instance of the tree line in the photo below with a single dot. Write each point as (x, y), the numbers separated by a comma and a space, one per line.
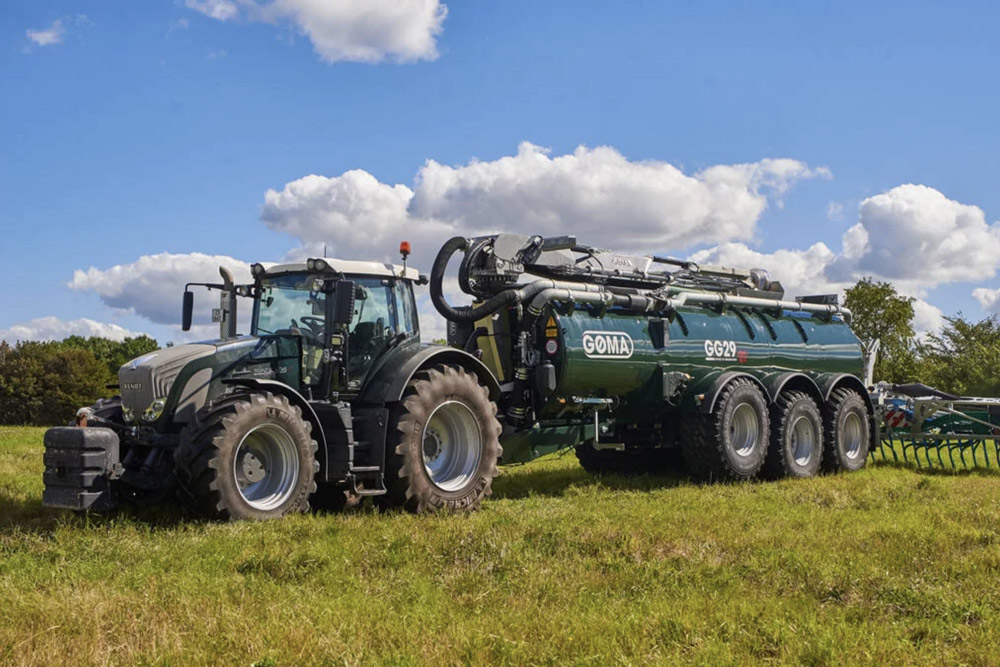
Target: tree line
(44, 383)
(961, 358)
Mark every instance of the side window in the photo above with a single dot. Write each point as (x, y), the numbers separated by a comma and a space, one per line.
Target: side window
(406, 308)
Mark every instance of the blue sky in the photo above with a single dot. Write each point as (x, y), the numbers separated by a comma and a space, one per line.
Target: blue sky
(130, 130)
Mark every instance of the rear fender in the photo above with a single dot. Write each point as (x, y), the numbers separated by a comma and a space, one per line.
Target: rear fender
(389, 383)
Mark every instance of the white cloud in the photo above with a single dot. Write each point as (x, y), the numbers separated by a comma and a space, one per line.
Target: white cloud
(604, 197)
(51, 35)
(597, 194)
(989, 299)
(223, 10)
(53, 328)
(152, 285)
(834, 211)
(927, 318)
(367, 31)
(915, 233)
(318, 209)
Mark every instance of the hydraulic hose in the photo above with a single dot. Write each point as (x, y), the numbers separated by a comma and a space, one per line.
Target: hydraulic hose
(464, 313)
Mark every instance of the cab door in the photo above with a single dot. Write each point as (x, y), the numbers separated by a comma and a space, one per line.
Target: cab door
(374, 324)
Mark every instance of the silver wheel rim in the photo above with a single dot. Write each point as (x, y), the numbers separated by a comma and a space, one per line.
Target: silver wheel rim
(452, 445)
(266, 466)
(804, 440)
(744, 429)
(853, 435)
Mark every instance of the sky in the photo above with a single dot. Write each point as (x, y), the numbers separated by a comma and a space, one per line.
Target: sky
(143, 145)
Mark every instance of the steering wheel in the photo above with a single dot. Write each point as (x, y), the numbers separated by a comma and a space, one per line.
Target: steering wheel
(316, 324)
(311, 334)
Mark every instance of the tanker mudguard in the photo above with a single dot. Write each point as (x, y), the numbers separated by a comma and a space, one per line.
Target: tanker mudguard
(390, 380)
(838, 380)
(719, 383)
(777, 383)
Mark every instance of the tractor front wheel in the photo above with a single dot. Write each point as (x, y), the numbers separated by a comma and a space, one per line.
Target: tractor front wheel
(248, 456)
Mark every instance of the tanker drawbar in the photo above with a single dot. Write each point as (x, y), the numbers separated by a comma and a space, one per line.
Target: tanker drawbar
(639, 361)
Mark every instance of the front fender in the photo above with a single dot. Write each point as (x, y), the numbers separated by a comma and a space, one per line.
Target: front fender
(389, 382)
(297, 399)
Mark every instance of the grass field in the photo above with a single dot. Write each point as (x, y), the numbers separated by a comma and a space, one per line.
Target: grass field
(889, 564)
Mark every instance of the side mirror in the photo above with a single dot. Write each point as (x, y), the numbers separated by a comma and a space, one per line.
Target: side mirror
(343, 302)
(187, 310)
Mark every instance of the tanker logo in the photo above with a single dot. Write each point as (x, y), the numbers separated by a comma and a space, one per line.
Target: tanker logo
(607, 344)
(721, 350)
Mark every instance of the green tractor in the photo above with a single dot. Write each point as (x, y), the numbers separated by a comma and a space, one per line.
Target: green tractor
(329, 399)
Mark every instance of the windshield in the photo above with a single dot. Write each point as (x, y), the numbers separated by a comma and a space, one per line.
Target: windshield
(290, 302)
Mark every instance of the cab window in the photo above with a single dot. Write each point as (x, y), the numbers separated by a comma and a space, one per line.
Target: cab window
(406, 307)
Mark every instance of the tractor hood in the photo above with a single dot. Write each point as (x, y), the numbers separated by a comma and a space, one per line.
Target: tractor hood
(147, 380)
(175, 382)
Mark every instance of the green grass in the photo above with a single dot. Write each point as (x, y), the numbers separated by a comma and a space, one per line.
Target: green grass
(888, 564)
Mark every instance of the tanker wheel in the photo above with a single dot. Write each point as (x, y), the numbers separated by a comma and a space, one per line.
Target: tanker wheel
(796, 448)
(730, 443)
(847, 434)
(444, 443)
(248, 456)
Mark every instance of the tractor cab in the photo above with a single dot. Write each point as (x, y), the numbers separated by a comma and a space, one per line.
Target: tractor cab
(345, 315)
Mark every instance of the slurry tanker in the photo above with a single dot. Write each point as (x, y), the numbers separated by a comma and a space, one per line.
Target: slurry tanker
(636, 361)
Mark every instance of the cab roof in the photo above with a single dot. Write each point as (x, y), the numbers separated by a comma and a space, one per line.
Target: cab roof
(349, 267)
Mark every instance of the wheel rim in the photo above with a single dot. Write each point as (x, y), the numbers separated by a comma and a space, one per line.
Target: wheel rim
(744, 429)
(266, 466)
(804, 440)
(452, 445)
(853, 435)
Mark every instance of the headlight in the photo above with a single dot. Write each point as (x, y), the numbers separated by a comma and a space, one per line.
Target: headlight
(153, 412)
(127, 415)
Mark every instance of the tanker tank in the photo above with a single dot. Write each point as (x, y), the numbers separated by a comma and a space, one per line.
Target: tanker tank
(640, 360)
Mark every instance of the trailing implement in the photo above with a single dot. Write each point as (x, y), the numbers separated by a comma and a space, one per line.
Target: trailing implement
(638, 362)
(922, 426)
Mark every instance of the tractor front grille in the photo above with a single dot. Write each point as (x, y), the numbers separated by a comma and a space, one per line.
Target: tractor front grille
(136, 386)
(148, 378)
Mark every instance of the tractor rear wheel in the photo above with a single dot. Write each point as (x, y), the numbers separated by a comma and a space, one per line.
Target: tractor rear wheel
(796, 448)
(443, 443)
(730, 443)
(248, 456)
(847, 434)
